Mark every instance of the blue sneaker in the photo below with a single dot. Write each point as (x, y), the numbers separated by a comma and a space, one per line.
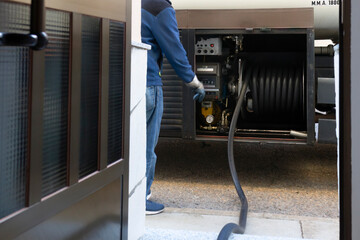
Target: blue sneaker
(153, 207)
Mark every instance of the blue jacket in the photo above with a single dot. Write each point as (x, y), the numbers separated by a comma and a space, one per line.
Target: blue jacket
(159, 29)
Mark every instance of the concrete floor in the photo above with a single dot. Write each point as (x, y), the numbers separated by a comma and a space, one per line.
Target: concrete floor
(193, 224)
(293, 180)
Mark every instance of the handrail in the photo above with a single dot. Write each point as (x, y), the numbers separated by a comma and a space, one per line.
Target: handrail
(37, 39)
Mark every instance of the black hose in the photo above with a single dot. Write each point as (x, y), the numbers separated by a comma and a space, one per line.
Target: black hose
(297, 91)
(232, 227)
(273, 90)
(267, 91)
(290, 92)
(255, 92)
(260, 94)
(276, 91)
(284, 90)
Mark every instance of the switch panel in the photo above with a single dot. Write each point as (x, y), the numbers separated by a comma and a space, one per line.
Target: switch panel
(210, 46)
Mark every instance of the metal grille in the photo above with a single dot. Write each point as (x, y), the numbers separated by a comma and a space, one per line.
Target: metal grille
(116, 80)
(89, 95)
(172, 121)
(14, 94)
(56, 102)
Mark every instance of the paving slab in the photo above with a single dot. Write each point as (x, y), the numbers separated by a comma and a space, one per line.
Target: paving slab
(327, 229)
(202, 222)
(166, 234)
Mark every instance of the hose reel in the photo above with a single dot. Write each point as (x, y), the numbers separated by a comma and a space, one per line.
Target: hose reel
(273, 92)
(277, 90)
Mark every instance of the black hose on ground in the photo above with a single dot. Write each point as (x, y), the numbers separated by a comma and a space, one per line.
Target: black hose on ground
(232, 227)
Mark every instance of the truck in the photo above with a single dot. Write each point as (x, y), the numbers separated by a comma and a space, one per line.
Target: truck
(291, 93)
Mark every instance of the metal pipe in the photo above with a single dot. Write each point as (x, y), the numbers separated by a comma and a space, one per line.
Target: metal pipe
(208, 127)
(37, 38)
(298, 134)
(37, 23)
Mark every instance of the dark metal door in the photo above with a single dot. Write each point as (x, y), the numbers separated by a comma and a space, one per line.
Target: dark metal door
(61, 125)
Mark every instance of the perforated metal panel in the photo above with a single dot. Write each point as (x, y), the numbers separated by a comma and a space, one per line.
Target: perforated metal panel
(172, 121)
(116, 80)
(56, 102)
(90, 72)
(14, 94)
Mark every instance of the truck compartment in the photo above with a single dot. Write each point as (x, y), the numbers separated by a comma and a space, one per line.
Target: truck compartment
(275, 101)
(279, 100)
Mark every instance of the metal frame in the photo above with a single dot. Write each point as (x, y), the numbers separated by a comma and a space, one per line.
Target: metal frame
(246, 18)
(189, 126)
(34, 164)
(104, 96)
(38, 210)
(75, 99)
(188, 129)
(251, 31)
(310, 77)
(345, 169)
(24, 220)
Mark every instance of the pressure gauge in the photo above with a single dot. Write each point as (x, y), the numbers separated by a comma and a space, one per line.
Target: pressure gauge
(210, 119)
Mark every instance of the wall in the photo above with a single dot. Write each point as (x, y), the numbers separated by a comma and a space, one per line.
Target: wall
(112, 9)
(137, 151)
(137, 158)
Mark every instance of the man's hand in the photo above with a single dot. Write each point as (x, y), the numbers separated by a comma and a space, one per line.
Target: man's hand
(199, 94)
(198, 89)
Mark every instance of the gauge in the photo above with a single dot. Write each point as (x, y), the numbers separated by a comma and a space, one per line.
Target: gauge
(209, 119)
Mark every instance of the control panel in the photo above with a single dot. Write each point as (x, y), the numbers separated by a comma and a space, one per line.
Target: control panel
(210, 46)
(209, 75)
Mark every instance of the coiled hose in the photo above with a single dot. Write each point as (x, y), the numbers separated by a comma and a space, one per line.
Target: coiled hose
(232, 227)
(276, 90)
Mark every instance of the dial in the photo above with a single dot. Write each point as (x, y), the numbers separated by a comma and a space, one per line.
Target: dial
(210, 119)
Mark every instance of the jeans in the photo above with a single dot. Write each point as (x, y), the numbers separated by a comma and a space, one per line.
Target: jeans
(154, 112)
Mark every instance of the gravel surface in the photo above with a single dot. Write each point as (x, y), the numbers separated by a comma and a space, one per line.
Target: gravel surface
(279, 179)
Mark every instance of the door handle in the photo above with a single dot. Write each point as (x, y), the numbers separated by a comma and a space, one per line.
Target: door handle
(37, 39)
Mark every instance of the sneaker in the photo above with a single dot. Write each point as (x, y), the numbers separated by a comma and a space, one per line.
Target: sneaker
(148, 196)
(153, 207)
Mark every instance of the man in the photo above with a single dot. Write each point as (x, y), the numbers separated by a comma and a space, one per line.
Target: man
(159, 29)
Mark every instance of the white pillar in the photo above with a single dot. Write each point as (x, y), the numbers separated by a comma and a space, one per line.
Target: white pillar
(137, 157)
(137, 131)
